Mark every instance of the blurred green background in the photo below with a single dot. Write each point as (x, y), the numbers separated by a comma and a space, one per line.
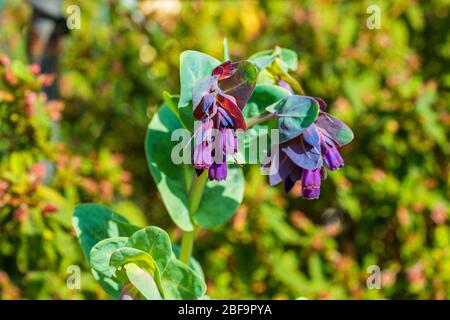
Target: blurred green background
(388, 206)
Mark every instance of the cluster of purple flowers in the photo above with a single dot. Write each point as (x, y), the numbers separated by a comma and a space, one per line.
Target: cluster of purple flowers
(218, 117)
(305, 157)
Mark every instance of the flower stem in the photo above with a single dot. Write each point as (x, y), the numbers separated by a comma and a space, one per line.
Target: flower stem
(195, 195)
(257, 120)
(187, 244)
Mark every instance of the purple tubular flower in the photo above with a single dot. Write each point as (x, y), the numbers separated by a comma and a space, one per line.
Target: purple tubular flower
(217, 171)
(202, 146)
(217, 111)
(331, 155)
(311, 184)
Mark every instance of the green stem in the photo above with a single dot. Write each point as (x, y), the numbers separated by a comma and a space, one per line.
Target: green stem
(196, 191)
(187, 244)
(226, 53)
(195, 196)
(260, 119)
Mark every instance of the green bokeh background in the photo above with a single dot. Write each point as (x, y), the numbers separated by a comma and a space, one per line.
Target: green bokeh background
(387, 207)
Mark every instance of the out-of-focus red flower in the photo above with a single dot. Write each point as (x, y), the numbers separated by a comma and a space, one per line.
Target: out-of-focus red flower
(10, 78)
(106, 190)
(126, 176)
(4, 60)
(46, 79)
(35, 68)
(49, 208)
(90, 185)
(21, 213)
(388, 278)
(439, 214)
(37, 173)
(30, 103)
(416, 275)
(403, 216)
(3, 187)
(240, 219)
(55, 108)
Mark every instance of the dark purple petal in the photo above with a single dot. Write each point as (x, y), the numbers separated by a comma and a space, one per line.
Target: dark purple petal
(207, 106)
(202, 87)
(296, 174)
(225, 70)
(229, 141)
(198, 172)
(281, 166)
(312, 136)
(311, 184)
(288, 184)
(322, 103)
(293, 177)
(331, 155)
(302, 154)
(202, 156)
(334, 128)
(229, 104)
(218, 171)
(226, 120)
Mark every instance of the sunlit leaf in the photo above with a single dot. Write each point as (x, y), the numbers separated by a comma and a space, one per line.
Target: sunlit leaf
(242, 83)
(335, 128)
(295, 114)
(194, 65)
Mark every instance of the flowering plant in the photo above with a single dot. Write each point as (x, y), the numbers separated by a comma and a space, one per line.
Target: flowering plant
(217, 102)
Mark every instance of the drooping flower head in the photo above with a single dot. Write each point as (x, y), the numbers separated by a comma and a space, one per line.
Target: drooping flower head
(303, 157)
(219, 116)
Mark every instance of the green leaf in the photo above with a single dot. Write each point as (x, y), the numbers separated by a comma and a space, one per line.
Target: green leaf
(143, 281)
(194, 65)
(94, 223)
(288, 58)
(176, 280)
(228, 194)
(171, 101)
(193, 263)
(99, 261)
(264, 96)
(295, 114)
(170, 179)
(101, 254)
(155, 242)
(131, 212)
(180, 282)
(123, 256)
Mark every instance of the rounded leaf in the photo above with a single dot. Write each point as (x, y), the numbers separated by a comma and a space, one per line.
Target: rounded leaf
(155, 242)
(295, 114)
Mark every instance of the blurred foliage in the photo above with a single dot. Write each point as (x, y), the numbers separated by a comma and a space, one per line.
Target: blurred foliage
(41, 180)
(388, 206)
